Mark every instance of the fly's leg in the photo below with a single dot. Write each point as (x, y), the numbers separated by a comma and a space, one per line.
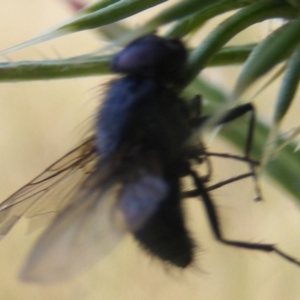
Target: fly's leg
(198, 153)
(215, 225)
(232, 115)
(200, 156)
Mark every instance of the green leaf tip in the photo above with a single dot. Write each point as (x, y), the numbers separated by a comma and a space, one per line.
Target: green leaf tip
(270, 52)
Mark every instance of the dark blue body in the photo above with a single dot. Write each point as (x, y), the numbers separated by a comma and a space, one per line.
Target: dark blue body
(141, 132)
(139, 113)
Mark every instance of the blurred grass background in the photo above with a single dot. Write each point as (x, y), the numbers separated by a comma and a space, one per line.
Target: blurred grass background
(40, 121)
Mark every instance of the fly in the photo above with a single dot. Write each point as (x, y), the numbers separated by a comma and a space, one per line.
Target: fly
(127, 177)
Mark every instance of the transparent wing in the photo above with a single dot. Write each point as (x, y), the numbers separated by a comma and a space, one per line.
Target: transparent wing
(94, 203)
(113, 200)
(47, 194)
(85, 231)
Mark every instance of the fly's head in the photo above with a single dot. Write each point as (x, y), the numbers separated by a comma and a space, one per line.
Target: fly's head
(152, 56)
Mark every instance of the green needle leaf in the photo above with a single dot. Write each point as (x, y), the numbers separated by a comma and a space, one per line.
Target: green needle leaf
(244, 18)
(271, 51)
(179, 10)
(107, 15)
(92, 65)
(97, 6)
(196, 20)
(289, 86)
(54, 69)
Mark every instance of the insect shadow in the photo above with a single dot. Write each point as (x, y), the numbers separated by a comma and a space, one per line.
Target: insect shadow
(127, 176)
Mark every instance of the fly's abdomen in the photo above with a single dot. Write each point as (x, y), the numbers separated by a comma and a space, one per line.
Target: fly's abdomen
(164, 234)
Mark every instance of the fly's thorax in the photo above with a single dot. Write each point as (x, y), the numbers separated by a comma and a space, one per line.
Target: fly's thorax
(117, 109)
(140, 114)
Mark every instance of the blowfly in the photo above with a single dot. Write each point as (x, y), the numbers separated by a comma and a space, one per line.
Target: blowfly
(126, 178)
